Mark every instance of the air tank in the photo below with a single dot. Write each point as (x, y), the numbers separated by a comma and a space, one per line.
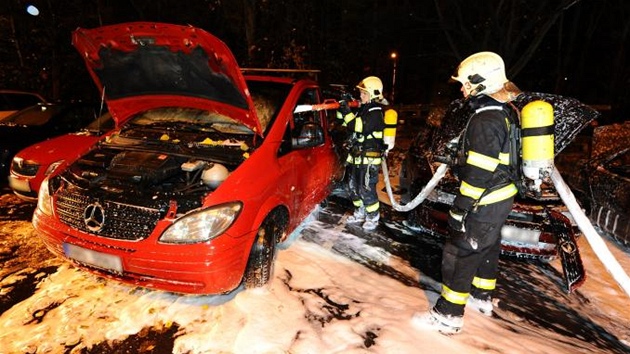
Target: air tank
(537, 132)
(389, 134)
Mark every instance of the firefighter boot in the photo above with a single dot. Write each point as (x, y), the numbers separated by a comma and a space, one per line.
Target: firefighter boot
(435, 321)
(357, 217)
(480, 301)
(371, 221)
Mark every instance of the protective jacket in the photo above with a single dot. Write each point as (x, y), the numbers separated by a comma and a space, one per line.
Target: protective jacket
(484, 169)
(366, 127)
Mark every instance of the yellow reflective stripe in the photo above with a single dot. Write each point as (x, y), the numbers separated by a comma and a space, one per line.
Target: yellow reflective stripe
(357, 203)
(504, 158)
(358, 125)
(499, 195)
(470, 191)
(364, 160)
(454, 296)
(373, 154)
(482, 161)
(347, 118)
(372, 208)
(486, 284)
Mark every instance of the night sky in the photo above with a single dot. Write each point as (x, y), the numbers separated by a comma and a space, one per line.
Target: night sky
(576, 48)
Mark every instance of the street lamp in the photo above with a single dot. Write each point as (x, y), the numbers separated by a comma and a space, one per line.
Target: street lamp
(394, 57)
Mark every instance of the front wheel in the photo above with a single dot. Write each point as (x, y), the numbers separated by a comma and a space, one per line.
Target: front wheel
(263, 253)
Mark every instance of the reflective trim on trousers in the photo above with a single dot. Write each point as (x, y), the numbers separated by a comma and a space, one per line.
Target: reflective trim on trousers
(499, 195)
(485, 284)
(454, 296)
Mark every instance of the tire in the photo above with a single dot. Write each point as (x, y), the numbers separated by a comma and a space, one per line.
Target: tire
(263, 253)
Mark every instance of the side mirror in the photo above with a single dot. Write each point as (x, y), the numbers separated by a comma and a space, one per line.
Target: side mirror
(310, 135)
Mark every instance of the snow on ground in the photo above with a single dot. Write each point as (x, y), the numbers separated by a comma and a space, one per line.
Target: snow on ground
(317, 302)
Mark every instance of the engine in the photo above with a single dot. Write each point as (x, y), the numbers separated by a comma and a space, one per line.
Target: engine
(144, 177)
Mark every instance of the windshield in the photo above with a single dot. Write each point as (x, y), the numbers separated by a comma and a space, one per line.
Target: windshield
(34, 115)
(268, 98)
(12, 101)
(102, 124)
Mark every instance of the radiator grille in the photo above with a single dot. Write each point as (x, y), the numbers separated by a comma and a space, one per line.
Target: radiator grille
(120, 221)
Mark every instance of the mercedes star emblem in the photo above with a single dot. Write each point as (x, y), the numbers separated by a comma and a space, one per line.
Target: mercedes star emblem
(94, 217)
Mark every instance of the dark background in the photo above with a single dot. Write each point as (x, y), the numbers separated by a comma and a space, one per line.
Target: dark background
(577, 48)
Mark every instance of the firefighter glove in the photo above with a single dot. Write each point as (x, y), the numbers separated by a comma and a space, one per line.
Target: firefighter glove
(457, 219)
(344, 108)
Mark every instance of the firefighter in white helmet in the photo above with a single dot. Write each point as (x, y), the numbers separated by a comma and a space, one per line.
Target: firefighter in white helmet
(484, 198)
(366, 151)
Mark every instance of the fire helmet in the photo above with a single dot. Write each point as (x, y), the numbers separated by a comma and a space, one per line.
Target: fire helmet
(484, 70)
(373, 86)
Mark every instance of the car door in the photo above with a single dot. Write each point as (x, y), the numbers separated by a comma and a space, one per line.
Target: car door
(309, 168)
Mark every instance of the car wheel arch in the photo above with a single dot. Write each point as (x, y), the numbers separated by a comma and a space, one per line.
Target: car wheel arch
(262, 254)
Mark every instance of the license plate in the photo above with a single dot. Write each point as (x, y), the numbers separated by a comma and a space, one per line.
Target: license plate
(96, 259)
(19, 185)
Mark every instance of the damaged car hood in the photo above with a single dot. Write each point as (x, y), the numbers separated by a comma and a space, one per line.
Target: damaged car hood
(143, 65)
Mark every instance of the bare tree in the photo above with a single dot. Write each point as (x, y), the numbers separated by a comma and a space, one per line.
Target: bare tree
(514, 29)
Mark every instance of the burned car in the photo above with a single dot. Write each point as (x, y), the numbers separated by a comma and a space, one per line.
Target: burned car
(538, 223)
(210, 170)
(602, 180)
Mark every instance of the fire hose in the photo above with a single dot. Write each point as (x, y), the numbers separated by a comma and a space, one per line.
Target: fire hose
(424, 193)
(595, 240)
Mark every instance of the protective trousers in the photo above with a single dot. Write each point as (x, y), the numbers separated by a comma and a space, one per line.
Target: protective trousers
(472, 258)
(362, 181)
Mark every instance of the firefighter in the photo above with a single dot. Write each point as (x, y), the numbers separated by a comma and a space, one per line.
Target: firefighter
(484, 198)
(366, 151)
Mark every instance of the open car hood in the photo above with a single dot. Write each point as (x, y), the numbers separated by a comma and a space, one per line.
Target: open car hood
(144, 65)
(570, 117)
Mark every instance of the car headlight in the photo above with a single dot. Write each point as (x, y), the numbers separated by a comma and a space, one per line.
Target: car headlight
(53, 166)
(44, 201)
(203, 225)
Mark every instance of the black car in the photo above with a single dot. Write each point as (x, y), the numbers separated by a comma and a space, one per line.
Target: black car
(602, 179)
(38, 123)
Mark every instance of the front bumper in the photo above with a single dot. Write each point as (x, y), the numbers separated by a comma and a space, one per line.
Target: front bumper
(215, 267)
